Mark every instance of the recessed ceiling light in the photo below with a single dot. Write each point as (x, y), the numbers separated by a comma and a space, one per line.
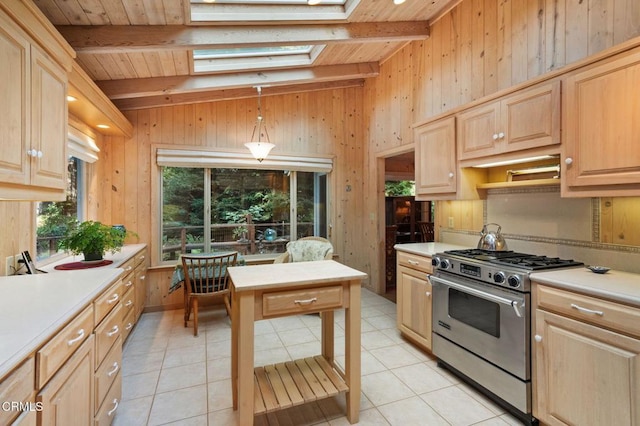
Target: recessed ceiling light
(71, 98)
(398, 1)
(103, 126)
(313, 2)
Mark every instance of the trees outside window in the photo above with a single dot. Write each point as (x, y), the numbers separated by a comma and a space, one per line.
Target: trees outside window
(249, 211)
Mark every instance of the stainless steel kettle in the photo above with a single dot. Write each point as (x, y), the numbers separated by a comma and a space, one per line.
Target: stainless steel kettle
(490, 240)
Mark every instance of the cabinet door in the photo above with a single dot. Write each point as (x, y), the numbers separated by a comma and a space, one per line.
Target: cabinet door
(68, 397)
(532, 118)
(14, 107)
(414, 305)
(140, 288)
(585, 375)
(49, 122)
(602, 126)
(436, 159)
(478, 131)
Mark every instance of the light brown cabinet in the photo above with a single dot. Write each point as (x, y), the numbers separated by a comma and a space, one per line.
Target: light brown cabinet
(68, 398)
(413, 298)
(34, 126)
(522, 121)
(435, 154)
(601, 129)
(586, 360)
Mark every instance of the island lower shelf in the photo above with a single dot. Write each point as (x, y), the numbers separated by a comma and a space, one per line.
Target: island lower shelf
(291, 383)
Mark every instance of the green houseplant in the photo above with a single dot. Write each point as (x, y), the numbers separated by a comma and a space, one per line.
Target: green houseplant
(93, 239)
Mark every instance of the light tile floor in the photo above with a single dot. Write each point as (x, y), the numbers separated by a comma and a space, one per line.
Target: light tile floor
(172, 377)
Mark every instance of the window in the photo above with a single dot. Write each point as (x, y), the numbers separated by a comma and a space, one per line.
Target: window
(54, 218)
(246, 210)
(245, 59)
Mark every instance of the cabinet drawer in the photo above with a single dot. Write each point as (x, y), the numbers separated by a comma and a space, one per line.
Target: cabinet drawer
(128, 301)
(63, 345)
(107, 412)
(127, 324)
(414, 261)
(140, 257)
(129, 265)
(107, 333)
(18, 386)
(108, 300)
(303, 300)
(106, 374)
(611, 315)
(128, 281)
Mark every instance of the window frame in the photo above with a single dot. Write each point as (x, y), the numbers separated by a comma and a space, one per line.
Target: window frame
(200, 157)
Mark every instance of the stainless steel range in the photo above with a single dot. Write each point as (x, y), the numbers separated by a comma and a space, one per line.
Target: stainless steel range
(482, 320)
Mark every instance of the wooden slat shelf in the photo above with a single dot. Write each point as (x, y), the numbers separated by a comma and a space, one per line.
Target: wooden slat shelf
(296, 382)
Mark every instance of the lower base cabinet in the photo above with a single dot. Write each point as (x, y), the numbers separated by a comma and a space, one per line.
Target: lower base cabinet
(413, 297)
(585, 372)
(68, 398)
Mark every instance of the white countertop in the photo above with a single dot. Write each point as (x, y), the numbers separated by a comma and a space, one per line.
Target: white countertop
(427, 249)
(618, 286)
(34, 307)
(281, 275)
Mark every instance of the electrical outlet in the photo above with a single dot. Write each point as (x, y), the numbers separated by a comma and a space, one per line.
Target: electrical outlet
(9, 266)
(450, 221)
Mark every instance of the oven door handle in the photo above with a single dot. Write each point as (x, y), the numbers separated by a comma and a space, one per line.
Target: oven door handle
(481, 294)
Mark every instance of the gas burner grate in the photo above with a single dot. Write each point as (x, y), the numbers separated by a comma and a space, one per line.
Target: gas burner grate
(537, 262)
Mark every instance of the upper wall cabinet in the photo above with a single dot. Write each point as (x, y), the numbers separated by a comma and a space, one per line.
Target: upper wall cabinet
(601, 121)
(33, 128)
(527, 119)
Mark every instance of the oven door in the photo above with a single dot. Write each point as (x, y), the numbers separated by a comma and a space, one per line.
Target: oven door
(490, 321)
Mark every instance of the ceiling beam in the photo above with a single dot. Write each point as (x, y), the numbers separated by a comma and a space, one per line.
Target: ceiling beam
(229, 94)
(143, 87)
(136, 38)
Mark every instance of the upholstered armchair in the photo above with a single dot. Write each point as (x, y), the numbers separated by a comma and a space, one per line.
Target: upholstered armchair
(306, 249)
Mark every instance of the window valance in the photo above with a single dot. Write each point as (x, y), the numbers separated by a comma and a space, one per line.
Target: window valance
(218, 159)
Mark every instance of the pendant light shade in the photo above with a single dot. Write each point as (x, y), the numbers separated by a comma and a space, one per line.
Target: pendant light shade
(259, 148)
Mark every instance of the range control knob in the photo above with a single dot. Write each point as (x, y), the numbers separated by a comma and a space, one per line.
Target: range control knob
(435, 261)
(499, 277)
(445, 264)
(513, 281)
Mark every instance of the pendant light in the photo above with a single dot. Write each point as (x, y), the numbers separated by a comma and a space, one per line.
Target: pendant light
(259, 148)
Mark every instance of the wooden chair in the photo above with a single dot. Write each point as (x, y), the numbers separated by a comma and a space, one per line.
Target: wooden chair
(306, 249)
(205, 277)
(427, 231)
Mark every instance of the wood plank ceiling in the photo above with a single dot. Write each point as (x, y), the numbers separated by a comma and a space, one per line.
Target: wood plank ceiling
(140, 53)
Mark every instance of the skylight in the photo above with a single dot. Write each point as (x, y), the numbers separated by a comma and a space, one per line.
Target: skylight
(270, 10)
(250, 58)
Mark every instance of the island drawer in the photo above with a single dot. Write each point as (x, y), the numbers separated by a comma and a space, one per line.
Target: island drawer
(415, 261)
(107, 333)
(52, 355)
(302, 300)
(108, 300)
(611, 315)
(19, 386)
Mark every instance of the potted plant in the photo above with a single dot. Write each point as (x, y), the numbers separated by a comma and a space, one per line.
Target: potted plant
(93, 239)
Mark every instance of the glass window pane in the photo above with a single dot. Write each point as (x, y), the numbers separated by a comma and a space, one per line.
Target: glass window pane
(182, 211)
(311, 204)
(250, 210)
(54, 218)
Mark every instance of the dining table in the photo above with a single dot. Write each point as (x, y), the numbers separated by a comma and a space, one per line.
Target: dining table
(177, 278)
(283, 289)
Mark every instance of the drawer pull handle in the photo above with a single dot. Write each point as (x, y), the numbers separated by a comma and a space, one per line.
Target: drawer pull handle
(113, 299)
(115, 407)
(128, 268)
(113, 331)
(116, 367)
(413, 262)
(129, 326)
(427, 293)
(129, 303)
(142, 277)
(129, 283)
(587, 311)
(76, 339)
(538, 338)
(306, 301)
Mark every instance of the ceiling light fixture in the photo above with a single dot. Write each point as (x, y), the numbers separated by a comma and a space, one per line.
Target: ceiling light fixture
(259, 148)
(398, 1)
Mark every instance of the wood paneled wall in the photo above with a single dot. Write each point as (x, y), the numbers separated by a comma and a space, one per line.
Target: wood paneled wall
(477, 49)
(324, 122)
